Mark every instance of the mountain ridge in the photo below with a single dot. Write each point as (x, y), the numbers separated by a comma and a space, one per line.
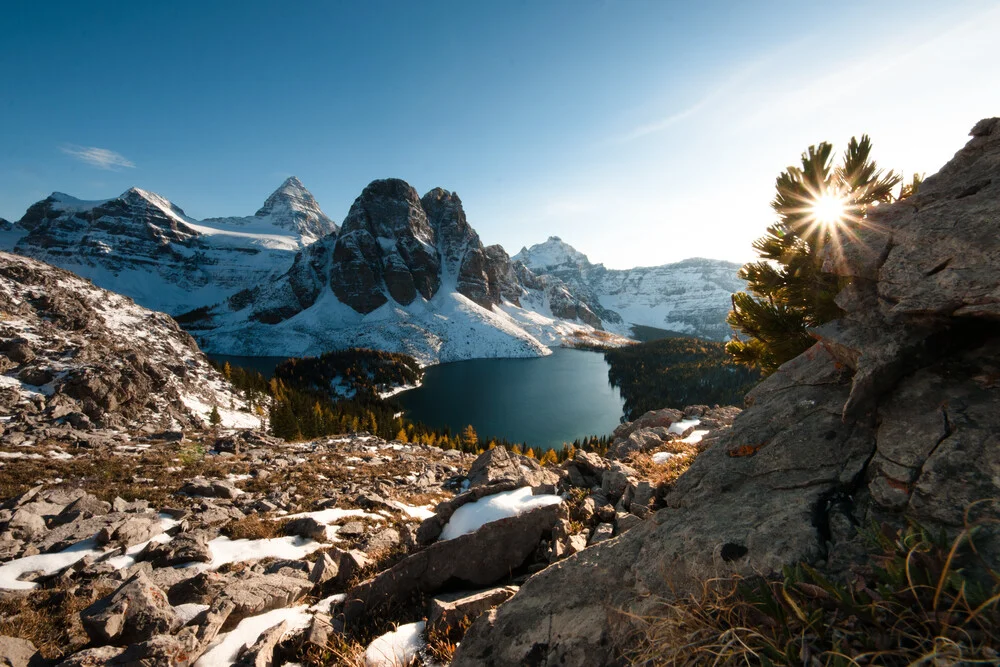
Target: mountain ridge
(146, 247)
(407, 274)
(691, 296)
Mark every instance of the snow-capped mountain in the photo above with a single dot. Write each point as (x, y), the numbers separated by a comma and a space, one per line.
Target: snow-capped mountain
(143, 246)
(405, 274)
(690, 297)
(290, 208)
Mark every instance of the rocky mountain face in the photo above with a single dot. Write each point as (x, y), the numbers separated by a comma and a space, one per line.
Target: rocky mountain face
(891, 417)
(405, 273)
(690, 297)
(79, 364)
(142, 245)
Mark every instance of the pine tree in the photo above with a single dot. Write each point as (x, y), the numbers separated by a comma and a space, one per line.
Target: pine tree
(469, 437)
(789, 290)
(214, 418)
(401, 436)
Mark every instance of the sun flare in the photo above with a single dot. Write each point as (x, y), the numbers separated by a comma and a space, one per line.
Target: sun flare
(829, 209)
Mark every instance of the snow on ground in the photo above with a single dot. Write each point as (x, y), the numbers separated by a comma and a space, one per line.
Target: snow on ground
(470, 517)
(423, 512)
(329, 516)
(396, 649)
(695, 437)
(44, 563)
(222, 652)
(225, 550)
(230, 418)
(683, 425)
(663, 457)
(54, 562)
(186, 612)
(398, 390)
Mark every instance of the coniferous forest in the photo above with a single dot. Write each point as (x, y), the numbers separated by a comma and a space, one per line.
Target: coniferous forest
(675, 372)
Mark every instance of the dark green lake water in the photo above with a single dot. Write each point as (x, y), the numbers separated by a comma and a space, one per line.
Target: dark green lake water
(544, 401)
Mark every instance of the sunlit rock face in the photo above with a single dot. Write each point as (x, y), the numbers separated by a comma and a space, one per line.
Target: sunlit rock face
(386, 249)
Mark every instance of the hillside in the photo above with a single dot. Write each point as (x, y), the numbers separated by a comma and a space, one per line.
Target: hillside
(82, 365)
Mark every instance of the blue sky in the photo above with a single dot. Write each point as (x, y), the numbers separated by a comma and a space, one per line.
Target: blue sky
(640, 132)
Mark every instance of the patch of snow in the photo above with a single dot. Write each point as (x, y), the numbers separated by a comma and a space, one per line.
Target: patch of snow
(325, 604)
(45, 564)
(186, 612)
(223, 651)
(683, 425)
(423, 512)
(470, 517)
(55, 562)
(663, 457)
(397, 648)
(225, 550)
(695, 436)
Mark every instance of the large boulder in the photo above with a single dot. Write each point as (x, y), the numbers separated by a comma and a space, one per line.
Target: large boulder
(135, 612)
(476, 559)
(890, 417)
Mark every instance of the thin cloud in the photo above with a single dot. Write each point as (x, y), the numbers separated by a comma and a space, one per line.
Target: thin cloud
(102, 158)
(721, 90)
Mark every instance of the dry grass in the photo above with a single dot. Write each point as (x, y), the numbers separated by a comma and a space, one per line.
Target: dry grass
(154, 475)
(50, 619)
(666, 473)
(254, 527)
(922, 602)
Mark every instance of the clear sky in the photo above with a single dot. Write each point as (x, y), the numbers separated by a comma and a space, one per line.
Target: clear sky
(640, 132)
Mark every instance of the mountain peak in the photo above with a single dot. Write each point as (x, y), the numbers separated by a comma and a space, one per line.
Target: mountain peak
(293, 207)
(554, 253)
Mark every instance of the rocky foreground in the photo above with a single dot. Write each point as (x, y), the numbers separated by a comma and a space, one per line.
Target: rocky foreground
(243, 549)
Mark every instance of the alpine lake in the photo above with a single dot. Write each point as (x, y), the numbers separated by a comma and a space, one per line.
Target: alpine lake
(540, 401)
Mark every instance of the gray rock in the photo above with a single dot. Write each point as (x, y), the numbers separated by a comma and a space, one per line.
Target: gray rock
(25, 524)
(93, 657)
(603, 531)
(448, 613)
(135, 612)
(616, 479)
(257, 594)
(189, 547)
(158, 651)
(133, 530)
(477, 559)
(323, 570)
(351, 529)
(382, 541)
(261, 654)
(215, 488)
(16, 652)
(308, 527)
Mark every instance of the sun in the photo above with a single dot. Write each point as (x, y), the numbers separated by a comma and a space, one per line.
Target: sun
(829, 209)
